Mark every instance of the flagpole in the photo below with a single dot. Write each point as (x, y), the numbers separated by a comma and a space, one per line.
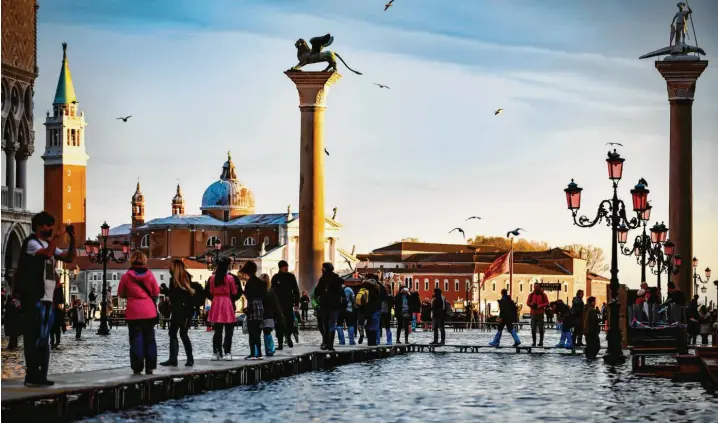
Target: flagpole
(511, 269)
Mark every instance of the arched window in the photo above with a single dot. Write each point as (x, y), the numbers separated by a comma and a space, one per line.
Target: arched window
(508, 286)
(266, 240)
(212, 240)
(233, 241)
(416, 286)
(436, 283)
(145, 241)
(493, 286)
(521, 287)
(565, 287)
(446, 285)
(250, 241)
(456, 285)
(468, 285)
(426, 285)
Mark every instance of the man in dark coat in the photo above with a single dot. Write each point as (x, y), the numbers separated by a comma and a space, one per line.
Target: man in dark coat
(284, 285)
(438, 317)
(577, 307)
(329, 293)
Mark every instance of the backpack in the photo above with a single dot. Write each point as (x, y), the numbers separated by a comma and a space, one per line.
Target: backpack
(447, 307)
(198, 299)
(362, 297)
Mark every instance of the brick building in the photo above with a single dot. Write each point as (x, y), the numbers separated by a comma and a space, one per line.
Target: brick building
(228, 216)
(455, 269)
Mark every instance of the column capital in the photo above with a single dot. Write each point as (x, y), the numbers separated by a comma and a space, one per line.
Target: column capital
(681, 77)
(313, 87)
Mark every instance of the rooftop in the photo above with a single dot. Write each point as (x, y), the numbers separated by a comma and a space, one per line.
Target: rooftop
(84, 263)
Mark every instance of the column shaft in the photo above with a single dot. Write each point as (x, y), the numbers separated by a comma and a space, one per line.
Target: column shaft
(10, 177)
(21, 181)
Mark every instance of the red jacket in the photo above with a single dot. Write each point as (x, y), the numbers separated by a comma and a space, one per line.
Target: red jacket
(540, 299)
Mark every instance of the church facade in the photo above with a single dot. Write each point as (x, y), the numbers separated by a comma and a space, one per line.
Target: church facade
(227, 216)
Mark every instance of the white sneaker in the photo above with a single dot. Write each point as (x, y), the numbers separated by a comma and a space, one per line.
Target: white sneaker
(215, 357)
(228, 357)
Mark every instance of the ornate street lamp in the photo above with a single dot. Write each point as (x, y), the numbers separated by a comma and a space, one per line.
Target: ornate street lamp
(615, 214)
(211, 257)
(698, 279)
(99, 253)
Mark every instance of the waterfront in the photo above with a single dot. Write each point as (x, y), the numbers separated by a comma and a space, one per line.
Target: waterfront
(448, 387)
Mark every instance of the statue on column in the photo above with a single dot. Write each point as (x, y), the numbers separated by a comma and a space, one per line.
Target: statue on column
(307, 56)
(677, 47)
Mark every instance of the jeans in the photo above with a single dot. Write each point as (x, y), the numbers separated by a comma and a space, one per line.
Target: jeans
(78, 331)
(255, 337)
(217, 345)
(182, 326)
(143, 347)
(37, 322)
(372, 327)
(329, 323)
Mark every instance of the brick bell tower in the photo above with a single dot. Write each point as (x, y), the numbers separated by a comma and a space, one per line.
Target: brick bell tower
(138, 208)
(65, 157)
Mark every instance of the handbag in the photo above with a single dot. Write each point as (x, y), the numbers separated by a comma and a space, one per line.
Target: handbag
(154, 299)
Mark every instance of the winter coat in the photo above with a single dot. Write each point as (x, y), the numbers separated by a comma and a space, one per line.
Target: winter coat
(182, 306)
(139, 305)
(591, 322)
(223, 295)
(541, 301)
(329, 292)
(426, 312)
(273, 307)
(507, 310)
(414, 303)
(705, 321)
(304, 302)
(286, 288)
(399, 304)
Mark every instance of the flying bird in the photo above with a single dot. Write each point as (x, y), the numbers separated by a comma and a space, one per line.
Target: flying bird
(460, 230)
(381, 85)
(643, 181)
(515, 232)
(325, 150)
(74, 102)
(498, 112)
(388, 5)
(474, 217)
(124, 119)
(614, 143)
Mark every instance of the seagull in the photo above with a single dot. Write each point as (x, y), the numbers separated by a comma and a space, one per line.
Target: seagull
(474, 217)
(643, 181)
(325, 150)
(498, 112)
(124, 119)
(460, 230)
(388, 5)
(614, 143)
(74, 102)
(381, 85)
(515, 232)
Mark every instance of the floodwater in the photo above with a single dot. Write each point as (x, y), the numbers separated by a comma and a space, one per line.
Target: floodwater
(419, 387)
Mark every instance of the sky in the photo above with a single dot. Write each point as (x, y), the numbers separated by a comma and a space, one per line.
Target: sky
(201, 78)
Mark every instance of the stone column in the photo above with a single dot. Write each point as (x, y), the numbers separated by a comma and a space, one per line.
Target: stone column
(313, 88)
(10, 175)
(681, 77)
(21, 175)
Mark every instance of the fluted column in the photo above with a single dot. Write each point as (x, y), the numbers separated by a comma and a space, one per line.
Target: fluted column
(681, 77)
(10, 174)
(313, 88)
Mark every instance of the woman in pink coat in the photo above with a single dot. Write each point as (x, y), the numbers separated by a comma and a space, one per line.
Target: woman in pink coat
(223, 292)
(140, 288)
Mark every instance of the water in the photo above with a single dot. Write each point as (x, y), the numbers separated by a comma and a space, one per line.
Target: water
(422, 387)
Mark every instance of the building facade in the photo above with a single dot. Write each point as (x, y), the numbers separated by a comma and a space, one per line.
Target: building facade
(458, 270)
(19, 71)
(227, 217)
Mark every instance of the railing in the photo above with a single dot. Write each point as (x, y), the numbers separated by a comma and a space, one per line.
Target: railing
(17, 200)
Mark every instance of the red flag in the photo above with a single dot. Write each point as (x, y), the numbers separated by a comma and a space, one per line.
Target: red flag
(499, 267)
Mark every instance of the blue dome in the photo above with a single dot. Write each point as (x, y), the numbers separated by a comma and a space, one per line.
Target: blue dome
(228, 193)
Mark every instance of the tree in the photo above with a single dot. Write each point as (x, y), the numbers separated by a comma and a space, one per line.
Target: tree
(408, 239)
(595, 261)
(504, 244)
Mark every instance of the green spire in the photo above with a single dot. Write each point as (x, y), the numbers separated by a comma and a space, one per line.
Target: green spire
(65, 93)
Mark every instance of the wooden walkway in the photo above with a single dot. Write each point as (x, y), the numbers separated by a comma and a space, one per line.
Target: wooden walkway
(430, 348)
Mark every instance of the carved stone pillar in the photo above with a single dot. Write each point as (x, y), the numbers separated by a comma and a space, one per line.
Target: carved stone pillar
(10, 150)
(313, 88)
(21, 172)
(681, 77)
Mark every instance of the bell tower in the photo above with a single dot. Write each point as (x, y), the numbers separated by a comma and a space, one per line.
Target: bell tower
(138, 208)
(178, 203)
(65, 157)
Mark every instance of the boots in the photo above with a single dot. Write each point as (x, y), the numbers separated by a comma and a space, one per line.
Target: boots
(540, 339)
(533, 338)
(174, 350)
(190, 357)
(268, 344)
(514, 335)
(562, 342)
(497, 340)
(569, 341)
(330, 341)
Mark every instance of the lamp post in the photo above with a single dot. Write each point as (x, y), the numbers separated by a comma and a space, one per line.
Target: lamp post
(99, 253)
(697, 278)
(69, 276)
(662, 260)
(211, 257)
(715, 282)
(641, 245)
(614, 212)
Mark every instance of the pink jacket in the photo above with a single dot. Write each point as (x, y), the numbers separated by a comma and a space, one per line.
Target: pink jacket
(139, 304)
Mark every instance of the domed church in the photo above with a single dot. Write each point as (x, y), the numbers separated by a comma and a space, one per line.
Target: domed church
(228, 217)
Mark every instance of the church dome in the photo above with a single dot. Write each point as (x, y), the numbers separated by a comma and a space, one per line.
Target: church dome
(228, 194)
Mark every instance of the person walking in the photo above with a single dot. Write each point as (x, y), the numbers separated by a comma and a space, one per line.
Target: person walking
(77, 314)
(222, 289)
(139, 287)
(329, 293)
(273, 317)
(284, 285)
(577, 307)
(592, 328)
(372, 309)
(92, 297)
(254, 291)
(438, 317)
(347, 316)
(563, 312)
(181, 296)
(537, 302)
(304, 302)
(705, 321)
(507, 316)
(361, 299)
(58, 301)
(387, 302)
(402, 311)
(34, 286)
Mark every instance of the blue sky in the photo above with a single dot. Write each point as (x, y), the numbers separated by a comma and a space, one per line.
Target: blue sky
(201, 78)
